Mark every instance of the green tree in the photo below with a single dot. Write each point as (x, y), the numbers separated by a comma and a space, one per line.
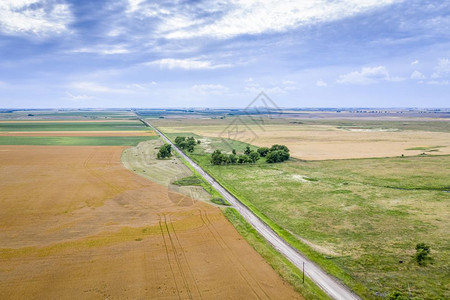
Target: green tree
(254, 156)
(279, 147)
(247, 150)
(234, 151)
(277, 156)
(164, 151)
(232, 159)
(244, 159)
(191, 141)
(186, 143)
(217, 158)
(263, 151)
(179, 139)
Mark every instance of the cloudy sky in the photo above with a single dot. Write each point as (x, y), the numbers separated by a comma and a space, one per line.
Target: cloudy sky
(302, 53)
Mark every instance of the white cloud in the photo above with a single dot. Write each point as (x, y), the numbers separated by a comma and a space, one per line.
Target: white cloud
(442, 69)
(77, 98)
(103, 50)
(187, 64)
(417, 75)
(438, 82)
(136, 86)
(414, 62)
(289, 85)
(321, 83)
(367, 75)
(282, 87)
(37, 17)
(209, 89)
(259, 16)
(134, 5)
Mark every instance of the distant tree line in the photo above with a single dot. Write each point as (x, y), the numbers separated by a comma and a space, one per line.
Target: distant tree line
(275, 154)
(186, 143)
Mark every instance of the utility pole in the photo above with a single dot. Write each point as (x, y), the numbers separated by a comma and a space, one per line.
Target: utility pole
(303, 272)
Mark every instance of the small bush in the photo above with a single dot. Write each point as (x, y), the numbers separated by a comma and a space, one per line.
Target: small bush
(219, 201)
(422, 252)
(397, 296)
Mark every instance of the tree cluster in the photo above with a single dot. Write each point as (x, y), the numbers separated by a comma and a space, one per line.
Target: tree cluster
(164, 151)
(186, 143)
(219, 158)
(275, 154)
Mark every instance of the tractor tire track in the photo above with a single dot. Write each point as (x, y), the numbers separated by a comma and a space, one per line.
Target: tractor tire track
(185, 258)
(177, 259)
(168, 256)
(231, 257)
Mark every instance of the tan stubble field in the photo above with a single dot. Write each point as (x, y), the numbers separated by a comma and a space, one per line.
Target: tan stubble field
(75, 223)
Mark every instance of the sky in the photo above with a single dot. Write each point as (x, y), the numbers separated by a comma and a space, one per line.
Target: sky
(153, 54)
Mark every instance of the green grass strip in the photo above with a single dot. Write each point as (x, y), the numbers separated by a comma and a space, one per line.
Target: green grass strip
(74, 140)
(278, 262)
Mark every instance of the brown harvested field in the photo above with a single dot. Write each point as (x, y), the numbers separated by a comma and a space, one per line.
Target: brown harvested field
(75, 223)
(320, 142)
(78, 133)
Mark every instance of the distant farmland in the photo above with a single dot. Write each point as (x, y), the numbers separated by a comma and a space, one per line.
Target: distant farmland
(360, 219)
(76, 223)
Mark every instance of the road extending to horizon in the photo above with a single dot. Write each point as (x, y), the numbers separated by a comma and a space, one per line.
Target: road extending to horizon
(326, 282)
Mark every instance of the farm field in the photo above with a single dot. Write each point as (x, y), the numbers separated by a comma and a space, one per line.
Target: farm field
(359, 218)
(76, 133)
(142, 161)
(71, 126)
(365, 215)
(77, 114)
(75, 223)
(74, 140)
(325, 139)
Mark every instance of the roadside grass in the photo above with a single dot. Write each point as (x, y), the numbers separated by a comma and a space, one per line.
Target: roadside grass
(206, 186)
(189, 180)
(72, 126)
(220, 201)
(357, 229)
(74, 140)
(280, 264)
(359, 219)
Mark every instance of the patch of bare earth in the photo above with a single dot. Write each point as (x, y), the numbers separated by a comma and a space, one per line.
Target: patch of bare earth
(75, 223)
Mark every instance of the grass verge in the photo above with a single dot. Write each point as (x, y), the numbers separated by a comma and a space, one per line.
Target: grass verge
(279, 263)
(206, 186)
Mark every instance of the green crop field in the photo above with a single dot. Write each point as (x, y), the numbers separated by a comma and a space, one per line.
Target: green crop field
(361, 217)
(66, 114)
(72, 126)
(75, 140)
